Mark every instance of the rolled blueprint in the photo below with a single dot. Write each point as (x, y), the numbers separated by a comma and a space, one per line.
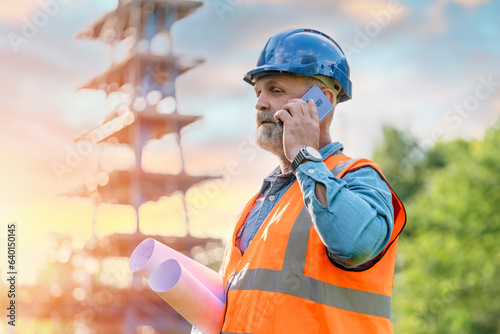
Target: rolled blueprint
(179, 288)
(150, 253)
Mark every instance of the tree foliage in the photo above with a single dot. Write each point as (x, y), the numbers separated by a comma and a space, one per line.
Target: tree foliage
(402, 161)
(449, 254)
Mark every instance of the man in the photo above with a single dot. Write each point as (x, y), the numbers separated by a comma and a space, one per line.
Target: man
(314, 250)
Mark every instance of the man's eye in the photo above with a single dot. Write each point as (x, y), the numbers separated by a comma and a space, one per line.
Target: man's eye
(276, 91)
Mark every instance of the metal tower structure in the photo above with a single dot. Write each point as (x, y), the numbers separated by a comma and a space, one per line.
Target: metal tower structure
(150, 69)
(146, 80)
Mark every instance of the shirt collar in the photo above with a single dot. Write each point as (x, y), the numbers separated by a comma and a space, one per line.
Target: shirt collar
(274, 174)
(271, 178)
(331, 149)
(325, 151)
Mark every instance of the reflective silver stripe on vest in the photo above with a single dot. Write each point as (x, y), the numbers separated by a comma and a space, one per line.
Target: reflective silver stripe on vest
(291, 280)
(340, 167)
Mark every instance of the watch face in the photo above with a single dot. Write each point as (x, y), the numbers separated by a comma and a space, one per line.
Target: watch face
(312, 152)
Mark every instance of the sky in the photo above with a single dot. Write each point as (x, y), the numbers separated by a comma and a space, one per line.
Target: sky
(427, 67)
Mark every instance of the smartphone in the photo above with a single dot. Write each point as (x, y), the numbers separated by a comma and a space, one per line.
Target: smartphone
(322, 103)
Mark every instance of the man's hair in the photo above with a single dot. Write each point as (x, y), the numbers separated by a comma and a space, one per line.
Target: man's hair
(312, 81)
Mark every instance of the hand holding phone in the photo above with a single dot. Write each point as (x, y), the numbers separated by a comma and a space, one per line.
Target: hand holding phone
(323, 105)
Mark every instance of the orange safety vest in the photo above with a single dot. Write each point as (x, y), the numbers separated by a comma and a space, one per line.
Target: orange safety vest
(285, 282)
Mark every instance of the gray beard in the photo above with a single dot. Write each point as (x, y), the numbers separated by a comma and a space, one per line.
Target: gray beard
(271, 139)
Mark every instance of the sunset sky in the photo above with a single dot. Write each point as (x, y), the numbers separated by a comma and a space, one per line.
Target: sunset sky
(429, 67)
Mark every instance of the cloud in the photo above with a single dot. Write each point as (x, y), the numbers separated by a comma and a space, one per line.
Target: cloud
(467, 3)
(436, 13)
(366, 10)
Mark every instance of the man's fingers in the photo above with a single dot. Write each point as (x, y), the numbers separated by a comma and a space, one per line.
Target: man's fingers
(297, 107)
(282, 115)
(313, 110)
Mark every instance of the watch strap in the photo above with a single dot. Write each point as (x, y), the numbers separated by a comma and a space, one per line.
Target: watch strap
(298, 159)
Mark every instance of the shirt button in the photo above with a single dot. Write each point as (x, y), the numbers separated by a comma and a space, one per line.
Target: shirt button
(271, 198)
(310, 171)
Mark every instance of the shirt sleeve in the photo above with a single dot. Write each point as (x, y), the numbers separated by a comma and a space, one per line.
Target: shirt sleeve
(357, 222)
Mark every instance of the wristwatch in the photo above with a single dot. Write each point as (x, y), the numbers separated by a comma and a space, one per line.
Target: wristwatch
(306, 153)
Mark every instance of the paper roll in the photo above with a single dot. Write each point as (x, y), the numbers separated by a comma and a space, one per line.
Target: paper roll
(150, 253)
(179, 288)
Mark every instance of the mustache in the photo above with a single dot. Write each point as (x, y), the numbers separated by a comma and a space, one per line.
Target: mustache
(265, 117)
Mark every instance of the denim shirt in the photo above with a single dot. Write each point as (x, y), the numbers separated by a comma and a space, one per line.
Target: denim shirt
(357, 222)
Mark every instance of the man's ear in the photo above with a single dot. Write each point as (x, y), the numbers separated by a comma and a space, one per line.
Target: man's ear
(330, 94)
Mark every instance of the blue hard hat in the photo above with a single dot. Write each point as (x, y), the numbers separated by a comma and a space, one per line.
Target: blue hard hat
(306, 52)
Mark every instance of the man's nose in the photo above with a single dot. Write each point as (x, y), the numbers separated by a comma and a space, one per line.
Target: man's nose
(262, 103)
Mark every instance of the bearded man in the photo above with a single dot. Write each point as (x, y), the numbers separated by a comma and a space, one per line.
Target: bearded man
(314, 250)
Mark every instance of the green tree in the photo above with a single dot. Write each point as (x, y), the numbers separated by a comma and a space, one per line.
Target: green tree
(402, 160)
(447, 277)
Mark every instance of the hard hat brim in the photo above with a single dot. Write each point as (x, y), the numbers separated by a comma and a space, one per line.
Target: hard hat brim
(307, 70)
